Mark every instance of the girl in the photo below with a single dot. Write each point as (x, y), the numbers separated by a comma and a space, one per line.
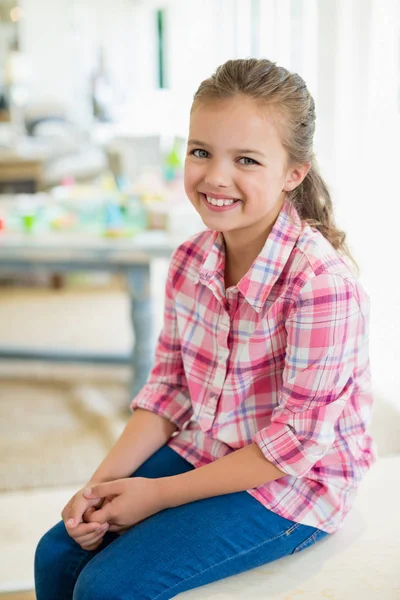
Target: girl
(248, 441)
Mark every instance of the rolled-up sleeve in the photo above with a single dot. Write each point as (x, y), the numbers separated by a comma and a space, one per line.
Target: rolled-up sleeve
(325, 330)
(166, 392)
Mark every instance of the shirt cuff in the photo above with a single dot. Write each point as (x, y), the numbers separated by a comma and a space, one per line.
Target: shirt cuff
(282, 448)
(162, 400)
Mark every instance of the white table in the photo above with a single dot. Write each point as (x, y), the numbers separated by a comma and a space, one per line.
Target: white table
(59, 252)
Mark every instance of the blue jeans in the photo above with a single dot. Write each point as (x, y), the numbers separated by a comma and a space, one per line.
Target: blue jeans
(170, 552)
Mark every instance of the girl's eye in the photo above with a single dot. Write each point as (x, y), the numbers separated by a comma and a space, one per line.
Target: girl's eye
(199, 153)
(245, 160)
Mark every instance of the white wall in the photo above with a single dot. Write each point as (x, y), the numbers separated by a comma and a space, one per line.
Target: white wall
(61, 39)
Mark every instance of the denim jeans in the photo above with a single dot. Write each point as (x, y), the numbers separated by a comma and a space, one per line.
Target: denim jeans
(170, 552)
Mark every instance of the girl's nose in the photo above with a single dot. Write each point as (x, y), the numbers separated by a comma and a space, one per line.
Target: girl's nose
(217, 176)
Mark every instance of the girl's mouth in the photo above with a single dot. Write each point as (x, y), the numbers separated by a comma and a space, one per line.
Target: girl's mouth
(220, 205)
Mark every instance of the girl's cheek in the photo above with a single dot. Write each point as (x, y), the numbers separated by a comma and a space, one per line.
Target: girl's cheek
(188, 183)
(192, 177)
(188, 178)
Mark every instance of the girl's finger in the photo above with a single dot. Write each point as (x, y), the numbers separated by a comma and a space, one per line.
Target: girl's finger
(91, 544)
(82, 529)
(89, 539)
(77, 509)
(97, 532)
(117, 528)
(87, 513)
(93, 547)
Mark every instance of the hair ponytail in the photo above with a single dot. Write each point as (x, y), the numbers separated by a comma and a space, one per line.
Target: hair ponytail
(313, 202)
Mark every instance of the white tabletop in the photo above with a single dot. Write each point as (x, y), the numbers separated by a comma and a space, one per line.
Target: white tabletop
(58, 246)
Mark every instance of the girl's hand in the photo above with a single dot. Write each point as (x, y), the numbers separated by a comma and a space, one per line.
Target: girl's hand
(88, 535)
(89, 511)
(129, 501)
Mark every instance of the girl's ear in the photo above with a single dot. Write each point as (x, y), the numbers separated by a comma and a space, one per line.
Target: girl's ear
(295, 176)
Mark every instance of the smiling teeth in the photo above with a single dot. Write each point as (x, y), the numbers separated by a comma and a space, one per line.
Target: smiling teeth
(220, 202)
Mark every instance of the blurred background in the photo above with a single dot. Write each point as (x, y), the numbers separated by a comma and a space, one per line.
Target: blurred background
(94, 110)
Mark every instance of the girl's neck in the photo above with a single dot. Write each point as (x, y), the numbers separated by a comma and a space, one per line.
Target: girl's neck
(240, 253)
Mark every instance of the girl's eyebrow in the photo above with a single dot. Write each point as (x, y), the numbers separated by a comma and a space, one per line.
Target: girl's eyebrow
(239, 150)
(197, 143)
(248, 151)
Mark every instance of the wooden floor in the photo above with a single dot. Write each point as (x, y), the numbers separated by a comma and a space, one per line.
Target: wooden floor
(18, 596)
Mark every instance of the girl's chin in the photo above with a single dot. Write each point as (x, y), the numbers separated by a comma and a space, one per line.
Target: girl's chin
(213, 225)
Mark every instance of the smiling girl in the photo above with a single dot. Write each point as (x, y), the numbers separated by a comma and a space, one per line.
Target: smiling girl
(249, 439)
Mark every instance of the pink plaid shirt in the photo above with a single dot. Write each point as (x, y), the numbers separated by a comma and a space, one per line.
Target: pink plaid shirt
(280, 359)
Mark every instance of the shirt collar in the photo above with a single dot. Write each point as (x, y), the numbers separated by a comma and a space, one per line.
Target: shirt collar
(265, 270)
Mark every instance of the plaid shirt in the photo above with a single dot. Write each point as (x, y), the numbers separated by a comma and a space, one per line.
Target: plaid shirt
(280, 359)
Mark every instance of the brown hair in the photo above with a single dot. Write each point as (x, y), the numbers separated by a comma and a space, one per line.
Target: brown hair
(286, 94)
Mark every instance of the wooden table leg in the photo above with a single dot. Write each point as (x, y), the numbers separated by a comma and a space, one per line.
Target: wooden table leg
(138, 278)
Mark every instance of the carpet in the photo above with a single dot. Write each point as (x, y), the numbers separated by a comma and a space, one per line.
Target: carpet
(55, 434)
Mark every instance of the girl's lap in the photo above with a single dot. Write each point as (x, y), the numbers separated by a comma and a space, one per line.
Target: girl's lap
(188, 546)
(181, 548)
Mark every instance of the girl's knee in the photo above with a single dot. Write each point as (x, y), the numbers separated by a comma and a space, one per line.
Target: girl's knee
(44, 549)
(95, 583)
(58, 562)
(103, 579)
(51, 547)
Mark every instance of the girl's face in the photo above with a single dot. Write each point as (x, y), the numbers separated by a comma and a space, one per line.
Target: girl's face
(235, 169)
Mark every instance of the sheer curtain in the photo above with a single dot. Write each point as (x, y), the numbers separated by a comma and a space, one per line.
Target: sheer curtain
(348, 53)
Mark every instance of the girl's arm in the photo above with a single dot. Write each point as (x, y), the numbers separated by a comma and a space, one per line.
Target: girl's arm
(137, 498)
(166, 391)
(241, 470)
(144, 434)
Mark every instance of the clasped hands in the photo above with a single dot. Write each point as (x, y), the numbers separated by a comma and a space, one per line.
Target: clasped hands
(112, 506)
